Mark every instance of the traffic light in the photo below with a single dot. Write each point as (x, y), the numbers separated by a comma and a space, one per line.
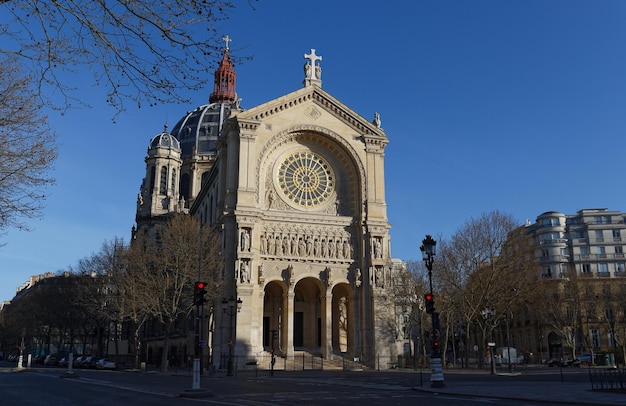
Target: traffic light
(199, 293)
(430, 303)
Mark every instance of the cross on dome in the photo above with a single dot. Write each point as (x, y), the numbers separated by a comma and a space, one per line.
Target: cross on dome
(227, 39)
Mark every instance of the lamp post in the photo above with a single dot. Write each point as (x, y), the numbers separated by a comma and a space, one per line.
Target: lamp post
(229, 306)
(489, 314)
(436, 376)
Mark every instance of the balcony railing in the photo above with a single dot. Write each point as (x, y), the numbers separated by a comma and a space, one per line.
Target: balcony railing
(595, 257)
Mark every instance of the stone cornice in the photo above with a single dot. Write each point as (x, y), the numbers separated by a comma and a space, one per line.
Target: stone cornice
(321, 98)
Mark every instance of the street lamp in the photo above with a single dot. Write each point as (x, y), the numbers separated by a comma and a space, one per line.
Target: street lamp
(489, 314)
(436, 376)
(229, 306)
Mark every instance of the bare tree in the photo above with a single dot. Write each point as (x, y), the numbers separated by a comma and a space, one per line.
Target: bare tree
(168, 269)
(144, 51)
(484, 267)
(27, 150)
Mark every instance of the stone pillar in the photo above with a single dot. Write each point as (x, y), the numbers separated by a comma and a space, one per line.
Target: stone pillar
(288, 306)
(327, 317)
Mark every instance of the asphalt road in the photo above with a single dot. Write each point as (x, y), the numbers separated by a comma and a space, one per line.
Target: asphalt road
(44, 386)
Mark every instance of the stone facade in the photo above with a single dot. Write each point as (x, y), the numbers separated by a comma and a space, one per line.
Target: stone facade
(297, 187)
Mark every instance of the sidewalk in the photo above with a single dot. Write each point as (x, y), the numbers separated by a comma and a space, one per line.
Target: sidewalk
(562, 392)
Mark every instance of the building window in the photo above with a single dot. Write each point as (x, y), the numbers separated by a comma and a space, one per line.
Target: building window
(603, 268)
(550, 236)
(600, 250)
(617, 235)
(174, 182)
(586, 268)
(163, 181)
(546, 272)
(619, 249)
(595, 338)
(620, 267)
(552, 221)
(584, 250)
(545, 253)
(599, 236)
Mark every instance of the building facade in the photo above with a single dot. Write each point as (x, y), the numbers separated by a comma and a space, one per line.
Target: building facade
(297, 188)
(582, 266)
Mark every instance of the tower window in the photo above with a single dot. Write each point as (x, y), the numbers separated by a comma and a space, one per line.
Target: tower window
(152, 176)
(163, 181)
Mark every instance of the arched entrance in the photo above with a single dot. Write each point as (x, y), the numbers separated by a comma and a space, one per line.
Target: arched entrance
(273, 310)
(342, 319)
(308, 316)
(555, 346)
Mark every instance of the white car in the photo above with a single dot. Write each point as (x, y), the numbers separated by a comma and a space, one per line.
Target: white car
(105, 363)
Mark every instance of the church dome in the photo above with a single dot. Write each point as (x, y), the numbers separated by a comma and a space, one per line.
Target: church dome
(165, 140)
(199, 129)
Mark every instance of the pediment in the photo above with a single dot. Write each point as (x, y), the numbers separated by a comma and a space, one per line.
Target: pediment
(318, 99)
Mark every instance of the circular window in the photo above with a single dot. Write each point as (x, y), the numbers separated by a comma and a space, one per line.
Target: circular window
(305, 179)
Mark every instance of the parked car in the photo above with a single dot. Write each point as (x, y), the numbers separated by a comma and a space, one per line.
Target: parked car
(78, 361)
(105, 363)
(50, 360)
(90, 362)
(582, 359)
(553, 362)
(63, 362)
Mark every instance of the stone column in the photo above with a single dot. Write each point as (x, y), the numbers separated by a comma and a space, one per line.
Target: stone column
(327, 317)
(288, 305)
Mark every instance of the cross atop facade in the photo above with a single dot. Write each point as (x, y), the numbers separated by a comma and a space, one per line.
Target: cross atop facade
(227, 39)
(312, 71)
(312, 57)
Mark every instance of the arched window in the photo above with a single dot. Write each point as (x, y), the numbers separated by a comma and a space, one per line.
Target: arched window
(174, 183)
(152, 175)
(163, 181)
(184, 186)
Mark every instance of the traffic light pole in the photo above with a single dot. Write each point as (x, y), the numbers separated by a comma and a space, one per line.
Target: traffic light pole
(436, 376)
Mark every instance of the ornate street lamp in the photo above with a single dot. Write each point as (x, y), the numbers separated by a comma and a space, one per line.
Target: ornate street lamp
(489, 313)
(229, 306)
(436, 376)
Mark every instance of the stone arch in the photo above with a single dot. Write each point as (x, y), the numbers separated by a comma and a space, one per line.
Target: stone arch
(555, 345)
(274, 306)
(343, 319)
(319, 139)
(308, 315)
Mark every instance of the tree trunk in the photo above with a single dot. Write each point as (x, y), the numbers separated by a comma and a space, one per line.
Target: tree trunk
(166, 348)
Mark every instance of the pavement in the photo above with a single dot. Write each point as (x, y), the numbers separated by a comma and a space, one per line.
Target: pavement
(513, 386)
(566, 393)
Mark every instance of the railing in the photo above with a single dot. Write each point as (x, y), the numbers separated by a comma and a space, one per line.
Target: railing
(608, 379)
(594, 257)
(315, 362)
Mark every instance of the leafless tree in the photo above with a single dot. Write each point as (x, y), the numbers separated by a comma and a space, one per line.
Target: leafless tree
(476, 275)
(145, 51)
(27, 150)
(162, 274)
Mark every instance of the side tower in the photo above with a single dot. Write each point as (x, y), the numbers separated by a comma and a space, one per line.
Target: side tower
(159, 195)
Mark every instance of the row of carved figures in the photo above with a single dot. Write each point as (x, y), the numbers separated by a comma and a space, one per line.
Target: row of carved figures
(306, 246)
(277, 244)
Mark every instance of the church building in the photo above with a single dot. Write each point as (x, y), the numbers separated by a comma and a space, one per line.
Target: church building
(297, 187)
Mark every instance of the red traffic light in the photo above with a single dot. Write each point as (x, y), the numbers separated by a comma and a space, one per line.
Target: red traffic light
(428, 297)
(200, 285)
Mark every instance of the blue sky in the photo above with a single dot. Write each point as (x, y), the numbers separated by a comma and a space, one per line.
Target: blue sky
(510, 105)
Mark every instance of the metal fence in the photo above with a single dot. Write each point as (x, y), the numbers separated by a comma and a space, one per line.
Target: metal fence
(312, 362)
(608, 379)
